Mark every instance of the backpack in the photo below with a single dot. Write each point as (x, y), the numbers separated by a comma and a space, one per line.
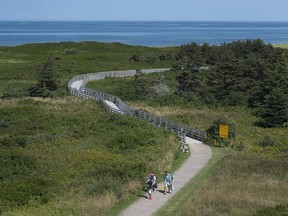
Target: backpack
(149, 179)
(168, 178)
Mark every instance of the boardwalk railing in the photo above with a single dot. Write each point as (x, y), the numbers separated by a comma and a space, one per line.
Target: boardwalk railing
(81, 91)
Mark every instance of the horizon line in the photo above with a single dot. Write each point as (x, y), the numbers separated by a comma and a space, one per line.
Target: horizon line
(70, 20)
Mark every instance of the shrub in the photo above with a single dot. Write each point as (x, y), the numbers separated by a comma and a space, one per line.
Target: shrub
(10, 141)
(278, 210)
(213, 136)
(4, 123)
(71, 52)
(20, 182)
(135, 58)
(166, 100)
(14, 164)
(47, 82)
(150, 59)
(19, 192)
(165, 56)
(267, 140)
(108, 184)
(11, 92)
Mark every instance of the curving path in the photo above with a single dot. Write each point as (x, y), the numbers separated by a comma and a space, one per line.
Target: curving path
(199, 157)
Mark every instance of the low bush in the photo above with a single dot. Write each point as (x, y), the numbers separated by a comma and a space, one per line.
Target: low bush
(70, 51)
(213, 133)
(167, 100)
(16, 92)
(34, 189)
(66, 147)
(60, 146)
(278, 210)
(10, 141)
(20, 180)
(4, 123)
(151, 59)
(267, 141)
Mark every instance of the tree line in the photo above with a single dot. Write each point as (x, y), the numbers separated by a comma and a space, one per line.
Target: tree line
(242, 73)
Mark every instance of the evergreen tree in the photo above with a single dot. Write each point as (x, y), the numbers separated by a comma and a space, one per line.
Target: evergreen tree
(140, 85)
(274, 111)
(240, 73)
(272, 97)
(191, 81)
(47, 82)
(224, 80)
(192, 54)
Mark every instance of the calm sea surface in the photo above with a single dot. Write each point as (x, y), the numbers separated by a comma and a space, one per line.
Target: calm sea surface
(142, 33)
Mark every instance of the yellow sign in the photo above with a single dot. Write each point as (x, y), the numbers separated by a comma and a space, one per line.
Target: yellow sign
(223, 131)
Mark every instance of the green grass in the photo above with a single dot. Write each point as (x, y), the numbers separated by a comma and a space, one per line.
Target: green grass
(233, 184)
(54, 148)
(170, 106)
(66, 150)
(22, 62)
(241, 184)
(66, 156)
(175, 165)
(125, 88)
(285, 46)
(176, 203)
(250, 140)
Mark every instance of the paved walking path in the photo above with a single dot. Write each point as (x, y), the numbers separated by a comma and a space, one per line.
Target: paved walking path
(200, 155)
(77, 84)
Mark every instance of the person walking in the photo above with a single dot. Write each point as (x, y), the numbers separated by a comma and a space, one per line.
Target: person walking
(151, 184)
(168, 178)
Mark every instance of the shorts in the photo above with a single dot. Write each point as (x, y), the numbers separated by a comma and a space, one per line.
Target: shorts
(149, 190)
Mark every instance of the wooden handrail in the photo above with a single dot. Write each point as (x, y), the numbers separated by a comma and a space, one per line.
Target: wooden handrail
(91, 94)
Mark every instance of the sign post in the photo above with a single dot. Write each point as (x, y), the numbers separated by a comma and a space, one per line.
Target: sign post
(223, 131)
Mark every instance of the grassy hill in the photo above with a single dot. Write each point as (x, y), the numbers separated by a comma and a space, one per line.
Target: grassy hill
(66, 156)
(69, 149)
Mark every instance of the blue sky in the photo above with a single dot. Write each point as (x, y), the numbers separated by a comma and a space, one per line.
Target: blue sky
(164, 10)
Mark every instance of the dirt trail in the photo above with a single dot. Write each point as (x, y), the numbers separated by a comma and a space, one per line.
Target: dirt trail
(200, 155)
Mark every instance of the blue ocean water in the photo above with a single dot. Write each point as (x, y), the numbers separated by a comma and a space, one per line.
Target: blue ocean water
(141, 33)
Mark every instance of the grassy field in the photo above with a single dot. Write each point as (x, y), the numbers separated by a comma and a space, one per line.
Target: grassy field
(241, 185)
(249, 136)
(71, 150)
(241, 180)
(66, 156)
(284, 46)
(19, 64)
(176, 203)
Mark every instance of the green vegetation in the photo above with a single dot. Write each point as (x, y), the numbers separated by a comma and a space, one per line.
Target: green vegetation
(175, 165)
(66, 156)
(19, 65)
(259, 148)
(278, 210)
(248, 73)
(284, 46)
(63, 155)
(241, 185)
(47, 82)
(213, 133)
(176, 203)
(55, 148)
